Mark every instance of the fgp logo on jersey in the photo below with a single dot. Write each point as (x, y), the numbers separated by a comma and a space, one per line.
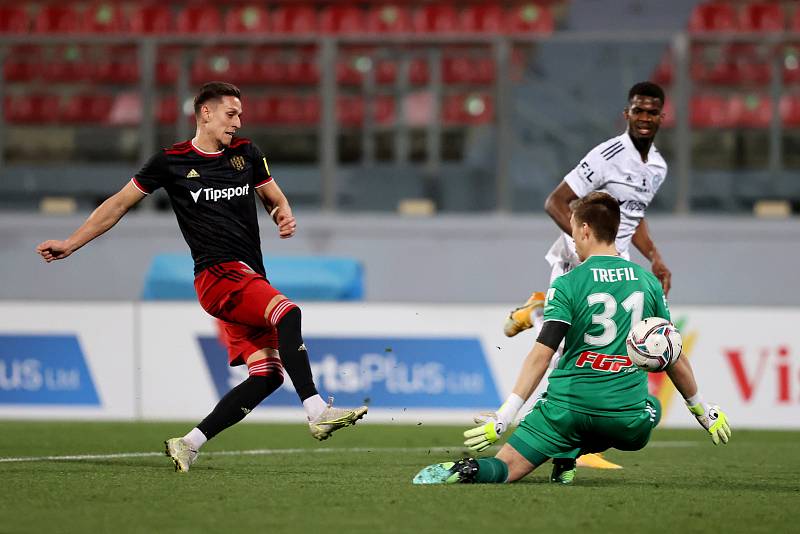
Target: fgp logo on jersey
(605, 362)
(391, 372)
(213, 195)
(39, 369)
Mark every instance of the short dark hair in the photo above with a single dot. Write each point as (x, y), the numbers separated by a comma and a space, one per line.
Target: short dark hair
(214, 90)
(647, 89)
(601, 212)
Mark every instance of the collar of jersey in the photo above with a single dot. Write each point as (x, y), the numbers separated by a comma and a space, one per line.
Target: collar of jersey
(628, 142)
(204, 153)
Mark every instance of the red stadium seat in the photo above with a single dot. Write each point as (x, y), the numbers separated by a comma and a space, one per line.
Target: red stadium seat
(247, 19)
(664, 71)
(795, 23)
(22, 63)
(57, 18)
(384, 110)
(762, 17)
(465, 69)
(167, 110)
(119, 65)
(301, 69)
(343, 19)
(467, 109)
(751, 110)
(267, 66)
(199, 19)
(299, 110)
(151, 19)
(436, 18)
(14, 19)
(350, 110)
(86, 109)
(221, 63)
(791, 63)
(295, 19)
(67, 64)
(389, 18)
(31, 109)
(790, 111)
(104, 17)
(710, 111)
(418, 72)
(713, 17)
(483, 18)
(530, 18)
(262, 110)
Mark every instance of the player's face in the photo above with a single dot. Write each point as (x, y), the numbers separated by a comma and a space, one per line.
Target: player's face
(223, 119)
(644, 114)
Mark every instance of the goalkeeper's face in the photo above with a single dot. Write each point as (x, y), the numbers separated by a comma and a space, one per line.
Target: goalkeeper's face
(643, 115)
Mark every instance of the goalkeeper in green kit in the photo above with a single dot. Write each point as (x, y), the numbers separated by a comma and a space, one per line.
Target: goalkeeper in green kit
(596, 398)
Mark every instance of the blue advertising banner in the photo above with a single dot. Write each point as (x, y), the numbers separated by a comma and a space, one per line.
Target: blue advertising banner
(44, 369)
(384, 372)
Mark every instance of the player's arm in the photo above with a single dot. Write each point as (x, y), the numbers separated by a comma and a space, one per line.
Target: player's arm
(492, 425)
(557, 205)
(277, 205)
(710, 416)
(99, 222)
(644, 243)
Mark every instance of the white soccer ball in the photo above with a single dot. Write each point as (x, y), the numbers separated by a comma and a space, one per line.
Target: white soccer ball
(654, 344)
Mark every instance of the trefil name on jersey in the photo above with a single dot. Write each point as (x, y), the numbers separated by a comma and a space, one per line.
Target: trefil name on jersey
(214, 195)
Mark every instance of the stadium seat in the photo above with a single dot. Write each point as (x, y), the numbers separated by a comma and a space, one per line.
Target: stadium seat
(751, 110)
(389, 18)
(298, 110)
(350, 110)
(467, 109)
(343, 19)
(103, 17)
(67, 64)
(663, 74)
(57, 18)
(752, 61)
(483, 18)
(261, 110)
(151, 19)
(709, 111)
(436, 18)
(384, 110)
(199, 19)
(267, 66)
(86, 109)
(461, 68)
(247, 19)
(22, 63)
(530, 17)
(119, 64)
(713, 17)
(31, 108)
(762, 17)
(294, 19)
(790, 111)
(167, 64)
(301, 68)
(215, 63)
(167, 110)
(791, 63)
(14, 19)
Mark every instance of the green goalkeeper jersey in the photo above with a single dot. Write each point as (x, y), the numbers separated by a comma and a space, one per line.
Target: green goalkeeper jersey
(601, 300)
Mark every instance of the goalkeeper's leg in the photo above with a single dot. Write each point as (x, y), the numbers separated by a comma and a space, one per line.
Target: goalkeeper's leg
(508, 466)
(524, 317)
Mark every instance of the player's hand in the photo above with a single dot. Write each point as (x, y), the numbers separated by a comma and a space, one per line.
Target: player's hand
(287, 224)
(713, 419)
(664, 275)
(52, 250)
(488, 431)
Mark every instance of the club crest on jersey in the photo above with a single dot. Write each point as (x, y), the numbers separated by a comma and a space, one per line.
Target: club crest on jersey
(237, 162)
(193, 174)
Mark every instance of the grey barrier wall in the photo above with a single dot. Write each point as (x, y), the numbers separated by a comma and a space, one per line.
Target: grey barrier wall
(444, 259)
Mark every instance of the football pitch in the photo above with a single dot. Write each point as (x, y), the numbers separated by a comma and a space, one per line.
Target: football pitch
(113, 477)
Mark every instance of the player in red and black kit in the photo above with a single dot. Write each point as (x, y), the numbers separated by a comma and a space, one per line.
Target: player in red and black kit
(212, 181)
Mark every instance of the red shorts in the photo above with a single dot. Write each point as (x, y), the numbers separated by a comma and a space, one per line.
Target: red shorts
(238, 296)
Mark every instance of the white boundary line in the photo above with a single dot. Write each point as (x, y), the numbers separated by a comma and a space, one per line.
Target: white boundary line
(266, 452)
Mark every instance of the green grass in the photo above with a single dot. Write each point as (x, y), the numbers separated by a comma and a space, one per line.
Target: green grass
(751, 485)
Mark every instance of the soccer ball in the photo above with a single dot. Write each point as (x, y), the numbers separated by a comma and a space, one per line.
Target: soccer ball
(654, 344)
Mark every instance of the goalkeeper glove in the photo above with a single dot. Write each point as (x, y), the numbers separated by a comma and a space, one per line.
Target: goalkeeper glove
(489, 428)
(492, 424)
(713, 419)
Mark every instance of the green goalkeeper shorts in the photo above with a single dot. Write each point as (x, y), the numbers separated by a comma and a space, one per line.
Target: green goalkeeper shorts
(551, 431)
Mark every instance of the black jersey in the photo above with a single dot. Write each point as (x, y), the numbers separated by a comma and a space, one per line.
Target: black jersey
(213, 196)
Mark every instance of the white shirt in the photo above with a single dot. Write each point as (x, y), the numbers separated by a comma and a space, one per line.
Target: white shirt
(614, 167)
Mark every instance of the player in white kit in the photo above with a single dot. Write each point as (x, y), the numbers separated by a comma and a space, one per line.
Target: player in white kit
(629, 168)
